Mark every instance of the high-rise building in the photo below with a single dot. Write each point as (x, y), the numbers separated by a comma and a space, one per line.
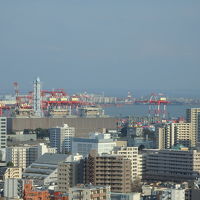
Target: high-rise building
(193, 117)
(3, 138)
(3, 132)
(112, 170)
(60, 138)
(69, 175)
(173, 134)
(132, 154)
(37, 98)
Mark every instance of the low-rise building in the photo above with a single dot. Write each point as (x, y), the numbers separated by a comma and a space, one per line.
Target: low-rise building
(89, 192)
(32, 193)
(125, 196)
(44, 170)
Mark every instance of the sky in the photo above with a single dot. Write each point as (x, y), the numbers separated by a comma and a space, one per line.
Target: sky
(100, 45)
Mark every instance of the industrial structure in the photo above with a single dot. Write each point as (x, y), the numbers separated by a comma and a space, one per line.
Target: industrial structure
(37, 98)
(47, 103)
(57, 103)
(157, 105)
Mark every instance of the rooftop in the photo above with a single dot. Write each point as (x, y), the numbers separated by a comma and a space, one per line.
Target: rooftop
(51, 158)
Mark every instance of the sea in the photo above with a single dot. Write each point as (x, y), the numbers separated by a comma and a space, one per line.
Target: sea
(173, 111)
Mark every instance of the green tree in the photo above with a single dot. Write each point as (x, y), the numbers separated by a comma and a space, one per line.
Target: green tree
(10, 164)
(137, 185)
(141, 147)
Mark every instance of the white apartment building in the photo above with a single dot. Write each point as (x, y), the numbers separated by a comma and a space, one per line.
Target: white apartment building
(60, 138)
(23, 156)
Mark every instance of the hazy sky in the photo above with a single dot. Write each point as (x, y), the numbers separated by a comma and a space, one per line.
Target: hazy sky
(100, 44)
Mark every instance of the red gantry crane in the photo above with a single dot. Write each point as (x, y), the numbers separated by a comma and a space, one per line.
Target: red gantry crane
(157, 105)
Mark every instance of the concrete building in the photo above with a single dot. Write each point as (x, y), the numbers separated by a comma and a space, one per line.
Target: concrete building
(69, 175)
(13, 188)
(83, 126)
(173, 134)
(44, 170)
(100, 142)
(109, 170)
(60, 138)
(132, 154)
(193, 117)
(23, 156)
(175, 165)
(89, 192)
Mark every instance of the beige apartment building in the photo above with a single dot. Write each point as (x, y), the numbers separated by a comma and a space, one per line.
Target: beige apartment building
(68, 175)
(176, 165)
(111, 170)
(173, 134)
(193, 117)
(133, 155)
(13, 172)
